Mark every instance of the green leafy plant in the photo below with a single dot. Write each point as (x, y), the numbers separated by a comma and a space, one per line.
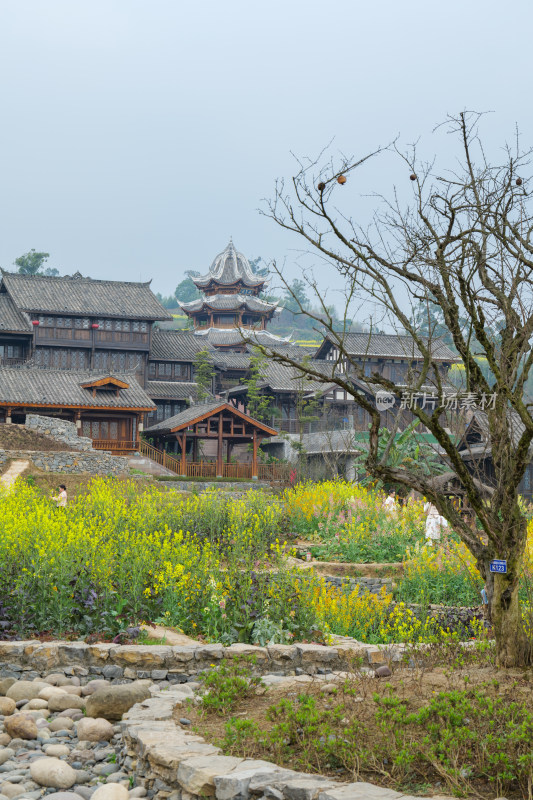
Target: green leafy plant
(226, 685)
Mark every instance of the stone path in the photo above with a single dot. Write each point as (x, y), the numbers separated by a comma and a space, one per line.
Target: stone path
(168, 636)
(15, 469)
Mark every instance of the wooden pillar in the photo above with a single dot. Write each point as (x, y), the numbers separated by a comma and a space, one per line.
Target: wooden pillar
(8, 416)
(195, 449)
(254, 457)
(219, 447)
(184, 454)
(77, 420)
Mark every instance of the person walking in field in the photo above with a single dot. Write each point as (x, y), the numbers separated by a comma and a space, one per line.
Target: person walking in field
(435, 524)
(61, 499)
(390, 504)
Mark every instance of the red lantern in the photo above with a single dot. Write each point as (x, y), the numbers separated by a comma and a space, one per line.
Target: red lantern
(35, 322)
(95, 325)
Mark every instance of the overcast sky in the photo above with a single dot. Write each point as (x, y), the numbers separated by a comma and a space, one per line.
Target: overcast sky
(138, 135)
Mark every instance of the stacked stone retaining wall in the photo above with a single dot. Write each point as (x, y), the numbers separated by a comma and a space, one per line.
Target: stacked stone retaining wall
(95, 462)
(179, 664)
(61, 430)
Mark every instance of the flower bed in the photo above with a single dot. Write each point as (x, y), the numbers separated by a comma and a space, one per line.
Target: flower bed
(211, 565)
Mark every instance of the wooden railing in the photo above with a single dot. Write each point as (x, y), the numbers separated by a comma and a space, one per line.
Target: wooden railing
(160, 457)
(115, 446)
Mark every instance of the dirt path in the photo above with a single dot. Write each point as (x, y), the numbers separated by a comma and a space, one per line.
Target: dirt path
(11, 474)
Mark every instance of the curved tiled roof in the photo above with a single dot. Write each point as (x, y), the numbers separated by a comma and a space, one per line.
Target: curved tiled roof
(228, 268)
(74, 294)
(173, 390)
(229, 302)
(175, 346)
(11, 319)
(49, 387)
(285, 378)
(385, 345)
(220, 337)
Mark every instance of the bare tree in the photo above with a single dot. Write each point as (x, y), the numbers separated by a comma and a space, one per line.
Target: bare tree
(462, 245)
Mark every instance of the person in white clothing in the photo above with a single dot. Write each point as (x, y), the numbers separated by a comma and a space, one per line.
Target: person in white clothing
(61, 498)
(390, 504)
(435, 523)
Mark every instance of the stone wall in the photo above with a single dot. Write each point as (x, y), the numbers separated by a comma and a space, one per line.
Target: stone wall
(373, 585)
(95, 462)
(61, 430)
(163, 757)
(179, 664)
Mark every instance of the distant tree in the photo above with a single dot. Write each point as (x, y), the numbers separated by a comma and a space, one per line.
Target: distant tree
(166, 302)
(186, 291)
(203, 374)
(295, 296)
(31, 263)
(262, 272)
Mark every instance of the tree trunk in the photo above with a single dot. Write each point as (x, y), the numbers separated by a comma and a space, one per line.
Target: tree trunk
(512, 646)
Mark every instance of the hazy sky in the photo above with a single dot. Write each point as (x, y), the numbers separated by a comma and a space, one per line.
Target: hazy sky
(138, 135)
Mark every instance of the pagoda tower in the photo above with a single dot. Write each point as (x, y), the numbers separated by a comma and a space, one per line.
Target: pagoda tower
(231, 310)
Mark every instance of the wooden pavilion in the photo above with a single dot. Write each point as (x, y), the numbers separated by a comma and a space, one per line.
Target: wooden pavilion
(218, 422)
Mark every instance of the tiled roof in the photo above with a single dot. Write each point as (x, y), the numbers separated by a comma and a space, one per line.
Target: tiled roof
(228, 302)
(219, 337)
(198, 411)
(172, 390)
(74, 294)
(387, 345)
(44, 387)
(229, 267)
(480, 422)
(189, 414)
(176, 346)
(11, 319)
(284, 378)
(228, 360)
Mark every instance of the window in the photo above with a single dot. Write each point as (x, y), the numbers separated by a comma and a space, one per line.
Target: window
(59, 322)
(67, 322)
(369, 368)
(136, 326)
(118, 324)
(108, 324)
(151, 369)
(144, 327)
(125, 325)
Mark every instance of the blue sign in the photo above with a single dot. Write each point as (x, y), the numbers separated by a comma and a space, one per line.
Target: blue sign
(498, 565)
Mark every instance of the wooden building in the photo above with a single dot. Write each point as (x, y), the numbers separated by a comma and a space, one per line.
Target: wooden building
(475, 450)
(74, 324)
(216, 422)
(108, 408)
